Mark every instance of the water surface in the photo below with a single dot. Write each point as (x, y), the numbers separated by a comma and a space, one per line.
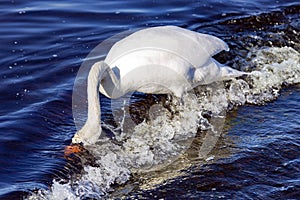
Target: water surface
(43, 44)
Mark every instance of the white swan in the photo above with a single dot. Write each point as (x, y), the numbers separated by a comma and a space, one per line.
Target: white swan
(158, 60)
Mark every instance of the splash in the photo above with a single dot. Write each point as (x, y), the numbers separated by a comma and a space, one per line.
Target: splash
(273, 68)
(155, 144)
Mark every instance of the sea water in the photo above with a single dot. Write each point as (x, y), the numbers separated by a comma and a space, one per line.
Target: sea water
(232, 139)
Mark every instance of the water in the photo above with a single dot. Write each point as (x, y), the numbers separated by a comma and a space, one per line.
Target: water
(256, 156)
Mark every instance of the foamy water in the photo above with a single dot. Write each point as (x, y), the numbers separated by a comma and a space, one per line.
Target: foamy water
(163, 140)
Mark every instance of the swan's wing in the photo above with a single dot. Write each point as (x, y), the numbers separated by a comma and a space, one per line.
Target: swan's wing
(191, 46)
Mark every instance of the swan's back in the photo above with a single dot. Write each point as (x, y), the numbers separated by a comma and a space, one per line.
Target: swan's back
(159, 59)
(195, 48)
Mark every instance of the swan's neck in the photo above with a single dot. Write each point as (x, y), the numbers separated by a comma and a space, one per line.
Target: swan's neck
(91, 130)
(93, 98)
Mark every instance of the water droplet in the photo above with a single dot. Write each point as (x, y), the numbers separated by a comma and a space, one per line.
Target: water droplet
(210, 158)
(22, 11)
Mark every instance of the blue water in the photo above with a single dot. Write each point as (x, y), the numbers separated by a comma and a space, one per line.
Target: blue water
(43, 43)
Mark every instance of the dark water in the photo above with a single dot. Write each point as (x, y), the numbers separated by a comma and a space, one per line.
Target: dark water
(264, 160)
(43, 44)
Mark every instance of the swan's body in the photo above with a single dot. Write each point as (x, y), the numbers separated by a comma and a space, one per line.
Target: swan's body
(157, 60)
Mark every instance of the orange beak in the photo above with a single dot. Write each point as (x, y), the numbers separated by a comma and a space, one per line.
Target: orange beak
(72, 149)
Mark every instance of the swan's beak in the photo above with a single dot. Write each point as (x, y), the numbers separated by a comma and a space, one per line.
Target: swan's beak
(73, 149)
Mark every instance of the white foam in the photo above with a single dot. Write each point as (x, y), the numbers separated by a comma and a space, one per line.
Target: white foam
(273, 68)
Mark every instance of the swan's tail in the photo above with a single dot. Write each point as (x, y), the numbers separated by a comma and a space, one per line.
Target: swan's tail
(229, 73)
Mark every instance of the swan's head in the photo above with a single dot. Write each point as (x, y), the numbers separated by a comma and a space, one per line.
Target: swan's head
(87, 135)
